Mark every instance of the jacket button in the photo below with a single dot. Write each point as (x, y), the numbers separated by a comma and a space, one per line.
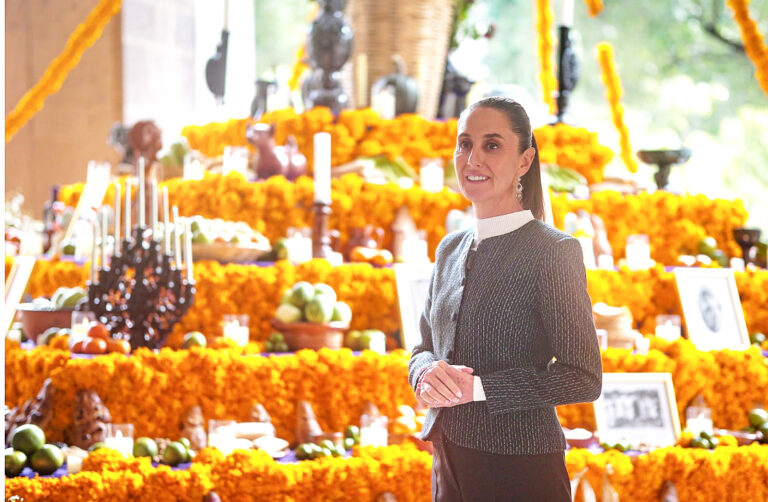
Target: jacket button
(455, 316)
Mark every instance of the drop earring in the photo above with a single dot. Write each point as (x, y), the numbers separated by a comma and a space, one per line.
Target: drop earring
(519, 192)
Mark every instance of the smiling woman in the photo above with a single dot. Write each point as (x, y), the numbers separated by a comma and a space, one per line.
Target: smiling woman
(507, 331)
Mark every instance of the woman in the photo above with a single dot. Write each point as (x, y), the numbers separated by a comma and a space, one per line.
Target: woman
(507, 330)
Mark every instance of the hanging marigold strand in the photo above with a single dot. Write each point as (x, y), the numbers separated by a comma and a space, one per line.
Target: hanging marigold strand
(547, 70)
(753, 41)
(613, 93)
(84, 36)
(595, 7)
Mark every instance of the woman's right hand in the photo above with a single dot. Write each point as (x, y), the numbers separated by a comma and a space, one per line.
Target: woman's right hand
(437, 387)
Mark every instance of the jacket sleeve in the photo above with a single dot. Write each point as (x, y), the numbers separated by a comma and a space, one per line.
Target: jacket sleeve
(423, 355)
(566, 315)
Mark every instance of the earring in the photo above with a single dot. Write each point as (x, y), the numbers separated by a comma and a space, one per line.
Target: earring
(519, 192)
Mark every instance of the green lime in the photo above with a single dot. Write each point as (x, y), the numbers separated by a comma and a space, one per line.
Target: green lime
(282, 347)
(338, 451)
(174, 454)
(352, 431)
(327, 443)
(348, 443)
(28, 438)
(185, 442)
(276, 337)
(194, 339)
(46, 459)
(303, 452)
(144, 447)
(269, 346)
(46, 336)
(700, 442)
(14, 463)
(623, 445)
(757, 338)
(324, 452)
(758, 417)
(707, 245)
(706, 435)
(96, 446)
(713, 442)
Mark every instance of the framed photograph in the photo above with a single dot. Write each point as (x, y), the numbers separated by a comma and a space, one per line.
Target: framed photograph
(412, 281)
(711, 307)
(638, 407)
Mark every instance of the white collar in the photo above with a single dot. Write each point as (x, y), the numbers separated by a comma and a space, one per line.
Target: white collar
(500, 225)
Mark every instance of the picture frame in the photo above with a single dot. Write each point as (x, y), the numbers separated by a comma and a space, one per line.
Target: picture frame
(712, 313)
(412, 283)
(640, 408)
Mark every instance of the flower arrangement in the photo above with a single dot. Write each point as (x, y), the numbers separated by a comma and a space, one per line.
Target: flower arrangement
(594, 7)
(371, 293)
(84, 36)
(151, 390)
(573, 147)
(675, 224)
(613, 93)
(544, 22)
(251, 475)
(754, 46)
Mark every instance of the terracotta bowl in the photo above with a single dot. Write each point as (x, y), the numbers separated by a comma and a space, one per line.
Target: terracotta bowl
(36, 320)
(311, 335)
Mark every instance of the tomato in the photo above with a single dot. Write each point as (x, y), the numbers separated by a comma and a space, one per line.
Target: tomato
(94, 345)
(98, 330)
(122, 346)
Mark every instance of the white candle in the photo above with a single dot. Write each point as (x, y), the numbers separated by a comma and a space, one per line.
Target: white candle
(176, 237)
(127, 209)
(117, 220)
(142, 195)
(103, 238)
(188, 249)
(153, 210)
(94, 250)
(322, 166)
(166, 223)
(566, 13)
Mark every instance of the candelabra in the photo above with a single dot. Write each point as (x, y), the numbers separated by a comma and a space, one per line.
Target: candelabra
(142, 293)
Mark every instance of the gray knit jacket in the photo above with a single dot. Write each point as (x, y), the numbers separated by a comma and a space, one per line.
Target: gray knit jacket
(522, 302)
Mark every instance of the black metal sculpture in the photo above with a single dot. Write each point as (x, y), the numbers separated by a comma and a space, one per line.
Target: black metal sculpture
(567, 71)
(329, 46)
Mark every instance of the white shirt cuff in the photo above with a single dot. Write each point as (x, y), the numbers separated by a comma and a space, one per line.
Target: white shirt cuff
(478, 394)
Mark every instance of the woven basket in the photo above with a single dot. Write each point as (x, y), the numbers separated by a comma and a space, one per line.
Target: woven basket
(417, 30)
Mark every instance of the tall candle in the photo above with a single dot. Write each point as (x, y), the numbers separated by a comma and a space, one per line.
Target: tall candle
(176, 237)
(94, 250)
(566, 13)
(153, 210)
(166, 223)
(117, 220)
(127, 209)
(188, 249)
(322, 167)
(103, 238)
(142, 196)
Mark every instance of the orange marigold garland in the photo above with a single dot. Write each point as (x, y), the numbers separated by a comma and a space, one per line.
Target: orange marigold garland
(594, 7)
(544, 24)
(613, 93)
(754, 46)
(81, 39)
(573, 147)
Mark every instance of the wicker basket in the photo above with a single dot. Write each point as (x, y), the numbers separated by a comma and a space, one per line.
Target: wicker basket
(417, 30)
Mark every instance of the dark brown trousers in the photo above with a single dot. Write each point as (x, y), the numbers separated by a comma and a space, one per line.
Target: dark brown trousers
(462, 474)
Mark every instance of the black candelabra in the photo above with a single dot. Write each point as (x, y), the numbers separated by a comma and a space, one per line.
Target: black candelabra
(567, 71)
(143, 291)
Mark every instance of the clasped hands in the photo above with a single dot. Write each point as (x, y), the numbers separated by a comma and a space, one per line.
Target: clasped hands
(443, 385)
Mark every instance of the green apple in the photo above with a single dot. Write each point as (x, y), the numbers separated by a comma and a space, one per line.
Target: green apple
(301, 293)
(319, 310)
(325, 290)
(288, 313)
(341, 312)
(194, 339)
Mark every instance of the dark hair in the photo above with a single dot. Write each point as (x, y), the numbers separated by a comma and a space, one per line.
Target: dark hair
(521, 126)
